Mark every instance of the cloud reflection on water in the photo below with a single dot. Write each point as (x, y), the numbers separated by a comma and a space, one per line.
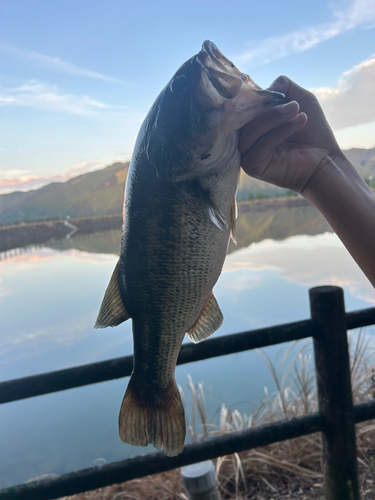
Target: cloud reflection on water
(50, 298)
(305, 260)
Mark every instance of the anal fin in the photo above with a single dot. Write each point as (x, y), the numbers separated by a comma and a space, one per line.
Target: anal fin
(112, 311)
(210, 319)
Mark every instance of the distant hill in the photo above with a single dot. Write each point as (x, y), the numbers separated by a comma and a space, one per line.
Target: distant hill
(363, 160)
(96, 193)
(102, 192)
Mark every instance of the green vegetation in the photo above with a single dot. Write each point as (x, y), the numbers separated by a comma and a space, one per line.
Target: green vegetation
(263, 196)
(291, 193)
(259, 196)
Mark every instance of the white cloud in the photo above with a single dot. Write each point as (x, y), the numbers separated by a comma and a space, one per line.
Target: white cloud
(351, 101)
(360, 13)
(4, 174)
(359, 136)
(87, 166)
(45, 96)
(7, 100)
(55, 63)
(16, 181)
(23, 180)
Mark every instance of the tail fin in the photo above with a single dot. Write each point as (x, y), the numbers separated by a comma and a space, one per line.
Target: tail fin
(161, 423)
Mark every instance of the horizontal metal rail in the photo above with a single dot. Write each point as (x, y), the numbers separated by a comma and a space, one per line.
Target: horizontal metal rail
(60, 380)
(153, 463)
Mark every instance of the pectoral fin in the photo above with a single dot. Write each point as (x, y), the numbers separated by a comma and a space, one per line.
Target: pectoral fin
(210, 208)
(233, 217)
(210, 319)
(112, 311)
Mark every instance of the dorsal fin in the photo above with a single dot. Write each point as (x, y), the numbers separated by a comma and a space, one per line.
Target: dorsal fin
(112, 311)
(210, 319)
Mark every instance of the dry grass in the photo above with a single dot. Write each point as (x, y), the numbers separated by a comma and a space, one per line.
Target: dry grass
(288, 470)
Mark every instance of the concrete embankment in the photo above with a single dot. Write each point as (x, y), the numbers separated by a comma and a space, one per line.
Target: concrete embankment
(20, 235)
(32, 233)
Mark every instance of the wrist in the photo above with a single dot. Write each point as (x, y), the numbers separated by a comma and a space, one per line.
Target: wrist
(336, 189)
(342, 196)
(333, 174)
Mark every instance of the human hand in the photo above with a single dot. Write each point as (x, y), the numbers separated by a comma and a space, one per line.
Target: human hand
(288, 144)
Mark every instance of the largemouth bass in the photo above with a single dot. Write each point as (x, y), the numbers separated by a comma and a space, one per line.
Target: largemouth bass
(179, 212)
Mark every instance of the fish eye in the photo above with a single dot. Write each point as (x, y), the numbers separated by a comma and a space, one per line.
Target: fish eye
(179, 84)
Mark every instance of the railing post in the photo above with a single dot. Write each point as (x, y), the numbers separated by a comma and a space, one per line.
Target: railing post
(332, 366)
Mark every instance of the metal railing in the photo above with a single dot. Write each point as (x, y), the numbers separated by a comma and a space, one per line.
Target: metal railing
(336, 417)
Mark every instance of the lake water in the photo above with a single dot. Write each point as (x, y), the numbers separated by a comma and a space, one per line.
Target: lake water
(49, 299)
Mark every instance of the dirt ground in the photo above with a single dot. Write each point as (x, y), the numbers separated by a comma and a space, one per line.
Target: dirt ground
(168, 486)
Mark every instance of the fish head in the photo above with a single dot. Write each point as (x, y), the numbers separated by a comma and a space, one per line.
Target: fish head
(192, 128)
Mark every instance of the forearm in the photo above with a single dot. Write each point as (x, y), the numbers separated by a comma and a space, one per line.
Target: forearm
(348, 204)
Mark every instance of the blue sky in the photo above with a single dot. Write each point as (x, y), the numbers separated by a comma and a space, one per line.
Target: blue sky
(77, 77)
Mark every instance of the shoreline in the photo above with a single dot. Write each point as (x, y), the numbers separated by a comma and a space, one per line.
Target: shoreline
(31, 233)
(24, 234)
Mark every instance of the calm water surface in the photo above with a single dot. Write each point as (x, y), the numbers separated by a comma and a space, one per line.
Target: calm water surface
(49, 299)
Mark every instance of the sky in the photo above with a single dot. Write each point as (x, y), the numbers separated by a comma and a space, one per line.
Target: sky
(77, 77)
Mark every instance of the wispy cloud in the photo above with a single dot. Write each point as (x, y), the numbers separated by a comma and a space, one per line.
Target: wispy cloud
(55, 63)
(84, 167)
(360, 13)
(18, 181)
(352, 100)
(49, 97)
(23, 180)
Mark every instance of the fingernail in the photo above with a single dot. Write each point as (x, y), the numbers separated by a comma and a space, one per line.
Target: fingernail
(281, 84)
(290, 107)
(297, 118)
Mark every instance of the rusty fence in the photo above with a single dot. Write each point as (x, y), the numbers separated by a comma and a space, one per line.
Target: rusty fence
(335, 419)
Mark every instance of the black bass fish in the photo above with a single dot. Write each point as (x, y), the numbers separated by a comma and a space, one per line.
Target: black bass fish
(179, 213)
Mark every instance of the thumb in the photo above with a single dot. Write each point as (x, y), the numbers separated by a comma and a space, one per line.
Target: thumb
(292, 91)
(281, 84)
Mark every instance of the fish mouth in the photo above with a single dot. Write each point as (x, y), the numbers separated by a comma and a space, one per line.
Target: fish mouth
(221, 72)
(228, 80)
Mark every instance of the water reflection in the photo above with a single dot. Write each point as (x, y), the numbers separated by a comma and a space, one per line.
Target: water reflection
(250, 228)
(49, 298)
(303, 260)
(101, 242)
(278, 225)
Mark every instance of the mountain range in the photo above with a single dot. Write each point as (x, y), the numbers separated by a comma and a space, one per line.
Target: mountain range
(95, 193)
(102, 192)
